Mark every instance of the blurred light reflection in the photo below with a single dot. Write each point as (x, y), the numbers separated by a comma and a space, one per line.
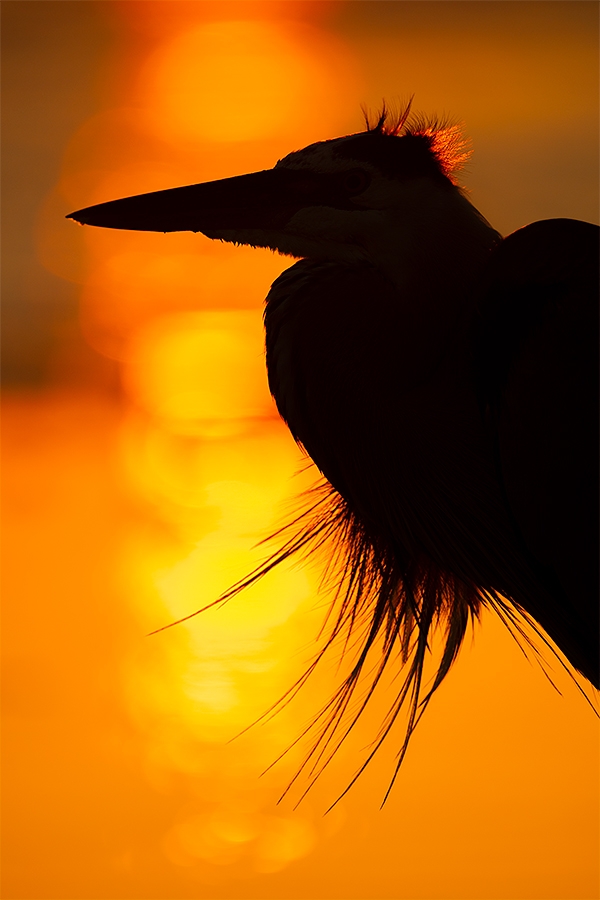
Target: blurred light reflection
(239, 81)
(200, 372)
(201, 448)
(159, 512)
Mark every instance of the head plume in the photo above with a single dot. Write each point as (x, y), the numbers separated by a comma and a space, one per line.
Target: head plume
(443, 138)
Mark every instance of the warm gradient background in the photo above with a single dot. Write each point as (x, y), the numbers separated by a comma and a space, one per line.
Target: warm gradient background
(143, 459)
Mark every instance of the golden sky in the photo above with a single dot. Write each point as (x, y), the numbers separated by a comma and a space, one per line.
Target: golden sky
(143, 459)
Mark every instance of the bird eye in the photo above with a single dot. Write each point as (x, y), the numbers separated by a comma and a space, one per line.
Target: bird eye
(355, 181)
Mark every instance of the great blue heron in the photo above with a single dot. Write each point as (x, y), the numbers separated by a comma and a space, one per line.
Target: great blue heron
(442, 378)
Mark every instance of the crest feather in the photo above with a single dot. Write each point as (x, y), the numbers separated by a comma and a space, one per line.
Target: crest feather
(444, 137)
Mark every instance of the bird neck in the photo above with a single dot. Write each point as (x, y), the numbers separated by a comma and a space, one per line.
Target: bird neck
(433, 248)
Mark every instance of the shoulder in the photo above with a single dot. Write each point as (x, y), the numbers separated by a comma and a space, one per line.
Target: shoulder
(546, 272)
(545, 251)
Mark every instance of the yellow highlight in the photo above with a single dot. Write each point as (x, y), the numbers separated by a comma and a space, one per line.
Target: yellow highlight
(246, 81)
(231, 640)
(200, 838)
(228, 834)
(283, 840)
(126, 513)
(200, 372)
(133, 286)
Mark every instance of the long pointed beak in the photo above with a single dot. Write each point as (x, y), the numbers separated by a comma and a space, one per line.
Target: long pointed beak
(266, 199)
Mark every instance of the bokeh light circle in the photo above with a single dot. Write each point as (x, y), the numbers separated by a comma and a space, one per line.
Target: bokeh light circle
(243, 81)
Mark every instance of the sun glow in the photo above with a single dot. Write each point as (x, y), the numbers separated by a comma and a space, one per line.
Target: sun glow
(143, 470)
(245, 81)
(201, 446)
(201, 372)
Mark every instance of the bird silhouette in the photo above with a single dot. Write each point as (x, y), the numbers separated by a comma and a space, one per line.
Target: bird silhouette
(444, 381)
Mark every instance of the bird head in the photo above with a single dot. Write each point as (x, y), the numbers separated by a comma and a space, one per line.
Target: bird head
(347, 199)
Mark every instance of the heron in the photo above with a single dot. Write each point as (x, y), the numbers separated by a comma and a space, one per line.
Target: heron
(442, 378)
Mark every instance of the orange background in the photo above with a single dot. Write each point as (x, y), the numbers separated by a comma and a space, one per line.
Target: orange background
(143, 459)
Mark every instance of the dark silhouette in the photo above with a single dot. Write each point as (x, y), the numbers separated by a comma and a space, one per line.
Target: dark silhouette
(443, 379)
